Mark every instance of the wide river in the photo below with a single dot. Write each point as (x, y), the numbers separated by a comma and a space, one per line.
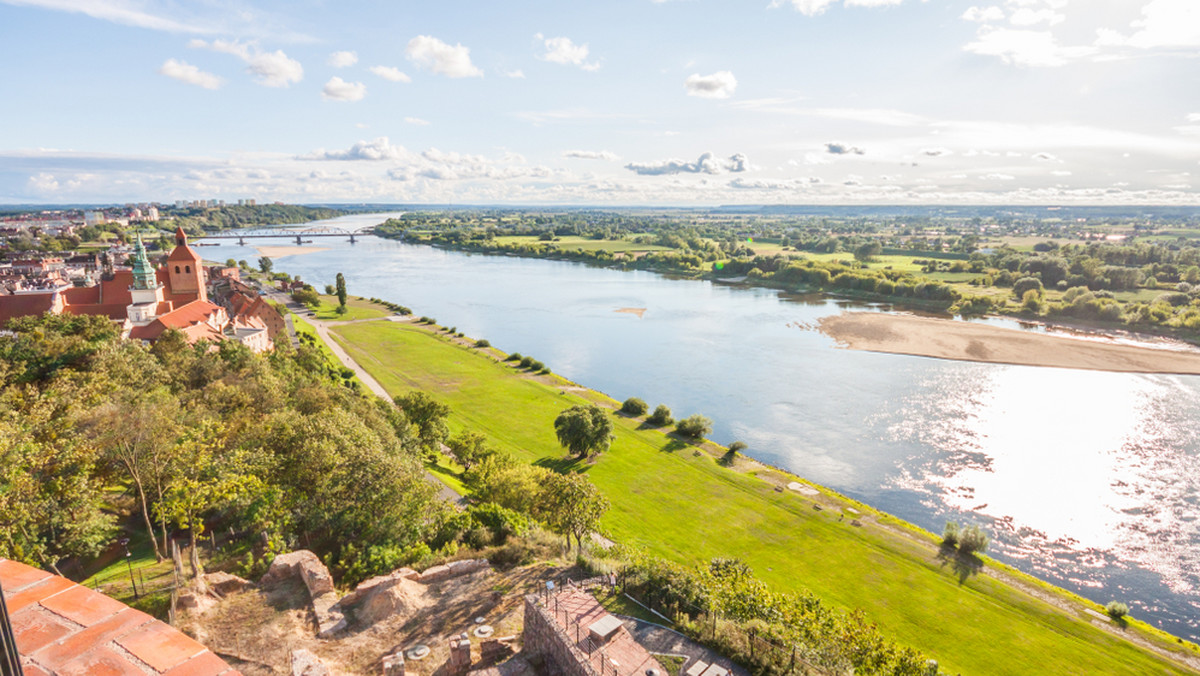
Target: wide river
(1089, 480)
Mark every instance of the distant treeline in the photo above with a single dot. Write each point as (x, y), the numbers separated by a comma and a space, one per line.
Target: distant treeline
(196, 220)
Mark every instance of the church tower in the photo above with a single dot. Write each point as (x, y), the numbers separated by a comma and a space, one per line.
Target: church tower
(185, 268)
(145, 293)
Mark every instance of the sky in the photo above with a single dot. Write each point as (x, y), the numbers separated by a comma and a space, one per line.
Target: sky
(621, 102)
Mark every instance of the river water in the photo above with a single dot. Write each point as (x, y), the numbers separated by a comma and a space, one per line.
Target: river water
(1086, 479)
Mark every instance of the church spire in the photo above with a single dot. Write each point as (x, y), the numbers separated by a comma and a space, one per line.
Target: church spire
(143, 273)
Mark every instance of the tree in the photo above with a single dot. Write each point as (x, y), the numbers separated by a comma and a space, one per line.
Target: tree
(634, 406)
(330, 290)
(694, 426)
(584, 429)
(573, 506)
(661, 416)
(341, 290)
(428, 415)
(265, 264)
(867, 251)
(230, 263)
(469, 448)
(307, 296)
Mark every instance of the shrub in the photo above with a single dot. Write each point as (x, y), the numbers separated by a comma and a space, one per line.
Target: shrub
(526, 362)
(694, 426)
(635, 406)
(1116, 609)
(1026, 284)
(950, 534)
(536, 365)
(737, 447)
(544, 370)
(973, 539)
(482, 342)
(661, 416)
(515, 356)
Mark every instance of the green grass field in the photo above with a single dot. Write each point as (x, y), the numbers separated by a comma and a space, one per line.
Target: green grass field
(356, 308)
(571, 243)
(676, 501)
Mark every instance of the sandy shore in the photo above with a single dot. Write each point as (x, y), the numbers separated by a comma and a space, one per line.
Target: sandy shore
(281, 251)
(950, 339)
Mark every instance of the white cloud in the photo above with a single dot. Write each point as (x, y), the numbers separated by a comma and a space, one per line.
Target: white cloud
(376, 150)
(1193, 117)
(719, 85)
(1060, 172)
(390, 73)
(1167, 23)
(563, 50)
(517, 74)
(185, 72)
(417, 121)
(338, 89)
(434, 55)
(1031, 17)
(815, 7)
(1025, 47)
(272, 69)
(343, 59)
(592, 155)
(43, 183)
(981, 14)
(116, 11)
(707, 164)
(998, 177)
(843, 149)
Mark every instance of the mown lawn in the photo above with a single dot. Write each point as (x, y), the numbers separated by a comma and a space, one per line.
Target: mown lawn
(677, 502)
(356, 308)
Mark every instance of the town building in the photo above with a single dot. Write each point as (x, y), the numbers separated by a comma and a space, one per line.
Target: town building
(146, 301)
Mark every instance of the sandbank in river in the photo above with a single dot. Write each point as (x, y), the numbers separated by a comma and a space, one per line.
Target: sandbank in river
(967, 341)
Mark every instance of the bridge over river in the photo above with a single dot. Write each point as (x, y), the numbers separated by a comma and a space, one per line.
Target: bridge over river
(298, 235)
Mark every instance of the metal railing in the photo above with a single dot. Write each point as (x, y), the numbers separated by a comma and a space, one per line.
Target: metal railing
(10, 660)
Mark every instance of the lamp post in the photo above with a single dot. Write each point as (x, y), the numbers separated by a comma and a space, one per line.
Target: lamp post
(128, 564)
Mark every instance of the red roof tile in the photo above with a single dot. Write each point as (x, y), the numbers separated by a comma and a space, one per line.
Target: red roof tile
(160, 646)
(63, 629)
(83, 605)
(12, 307)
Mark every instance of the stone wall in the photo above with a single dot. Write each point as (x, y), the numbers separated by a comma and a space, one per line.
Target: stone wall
(544, 639)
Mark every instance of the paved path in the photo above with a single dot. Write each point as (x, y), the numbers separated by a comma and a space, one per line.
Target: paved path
(322, 329)
(658, 639)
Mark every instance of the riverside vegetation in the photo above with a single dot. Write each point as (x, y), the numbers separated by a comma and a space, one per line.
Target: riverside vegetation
(1114, 269)
(675, 500)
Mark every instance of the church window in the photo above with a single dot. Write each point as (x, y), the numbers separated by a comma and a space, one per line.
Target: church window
(187, 268)
(176, 269)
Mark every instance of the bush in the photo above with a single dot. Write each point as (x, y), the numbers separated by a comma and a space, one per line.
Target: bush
(452, 329)
(515, 356)
(544, 370)
(973, 539)
(635, 406)
(661, 416)
(482, 342)
(737, 447)
(1026, 284)
(526, 362)
(950, 534)
(694, 426)
(536, 365)
(1116, 610)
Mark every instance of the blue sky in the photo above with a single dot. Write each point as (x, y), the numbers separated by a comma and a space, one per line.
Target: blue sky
(677, 102)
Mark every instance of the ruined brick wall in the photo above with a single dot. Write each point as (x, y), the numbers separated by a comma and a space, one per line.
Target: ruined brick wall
(543, 638)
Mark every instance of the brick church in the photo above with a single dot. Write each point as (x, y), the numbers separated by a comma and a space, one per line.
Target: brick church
(147, 301)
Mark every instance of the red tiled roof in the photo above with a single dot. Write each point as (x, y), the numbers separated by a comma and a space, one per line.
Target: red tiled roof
(191, 319)
(64, 629)
(12, 307)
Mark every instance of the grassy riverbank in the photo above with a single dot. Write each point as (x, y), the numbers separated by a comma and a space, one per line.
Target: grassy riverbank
(677, 501)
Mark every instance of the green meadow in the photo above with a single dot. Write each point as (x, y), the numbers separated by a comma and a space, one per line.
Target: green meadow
(678, 502)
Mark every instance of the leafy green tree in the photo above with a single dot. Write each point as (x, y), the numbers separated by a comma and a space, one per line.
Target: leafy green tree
(428, 415)
(573, 506)
(584, 430)
(341, 290)
(694, 426)
(230, 263)
(661, 416)
(307, 296)
(265, 264)
(634, 406)
(469, 448)
(867, 251)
